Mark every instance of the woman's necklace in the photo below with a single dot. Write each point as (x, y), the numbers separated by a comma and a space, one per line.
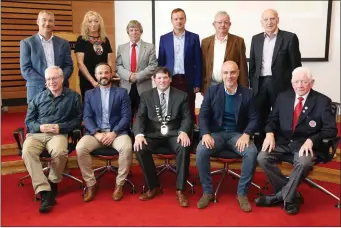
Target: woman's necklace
(97, 44)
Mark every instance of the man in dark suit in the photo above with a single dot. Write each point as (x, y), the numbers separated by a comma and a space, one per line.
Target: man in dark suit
(274, 55)
(42, 50)
(180, 52)
(220, 48)
(298, 123)
(227, 119)
(163, 119)
(107, 116)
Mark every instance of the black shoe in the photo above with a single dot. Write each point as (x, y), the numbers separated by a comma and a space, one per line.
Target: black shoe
(45, 201)
(299, 199)
(267, 201)
(54, 191)
(291, 208)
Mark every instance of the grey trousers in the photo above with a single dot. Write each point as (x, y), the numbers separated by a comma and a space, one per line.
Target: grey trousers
(283, 185)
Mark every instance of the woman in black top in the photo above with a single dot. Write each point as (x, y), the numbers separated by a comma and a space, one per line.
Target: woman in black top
(92, 47)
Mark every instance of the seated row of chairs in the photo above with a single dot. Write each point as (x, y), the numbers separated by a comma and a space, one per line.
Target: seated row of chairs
(109, 154)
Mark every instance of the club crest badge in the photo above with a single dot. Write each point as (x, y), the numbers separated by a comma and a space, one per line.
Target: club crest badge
(312, 123)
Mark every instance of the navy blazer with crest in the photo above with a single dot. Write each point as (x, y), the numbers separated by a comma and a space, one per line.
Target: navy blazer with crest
(119, 110)
(212, 110)
(316, 120)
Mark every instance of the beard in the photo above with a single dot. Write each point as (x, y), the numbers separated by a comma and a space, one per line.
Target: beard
(104, 81)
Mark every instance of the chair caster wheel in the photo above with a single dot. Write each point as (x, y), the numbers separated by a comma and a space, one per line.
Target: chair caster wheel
(266, 188)
(20, 184)
(133, 191)
(215, 201)
(338, 205)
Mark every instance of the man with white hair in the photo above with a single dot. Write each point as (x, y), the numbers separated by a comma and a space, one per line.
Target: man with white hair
(298, 123)
(51, 115)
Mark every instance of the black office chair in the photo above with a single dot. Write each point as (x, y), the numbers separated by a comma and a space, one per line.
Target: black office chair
(329, 147)
(45, 157)
(109, 154)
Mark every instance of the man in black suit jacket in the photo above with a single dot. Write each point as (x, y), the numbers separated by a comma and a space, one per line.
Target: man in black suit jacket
(274, 55)
(298, 123)
(163, 119)
(228, 118)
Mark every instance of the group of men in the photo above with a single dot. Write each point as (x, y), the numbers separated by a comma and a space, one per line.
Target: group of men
(229, 115)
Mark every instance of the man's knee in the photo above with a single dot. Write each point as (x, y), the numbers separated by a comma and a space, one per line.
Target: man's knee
(263, 158)
(59, 152)
(31, 148)
(305, 162)
(202, 151)
(251, 152)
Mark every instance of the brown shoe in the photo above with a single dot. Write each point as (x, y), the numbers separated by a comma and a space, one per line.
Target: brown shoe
(118, 193)
(90, 193)
(150, 194)
(244, 203)
(182, 198)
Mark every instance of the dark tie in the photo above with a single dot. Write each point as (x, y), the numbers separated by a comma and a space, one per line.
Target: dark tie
(163, 104)
(297, 112)
(133, 58)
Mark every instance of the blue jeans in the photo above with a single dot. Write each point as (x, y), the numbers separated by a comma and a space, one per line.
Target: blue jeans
(32, 91)
(224, 143)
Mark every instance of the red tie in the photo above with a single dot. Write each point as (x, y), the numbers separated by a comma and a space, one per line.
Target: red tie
(297, 112)
(133, 58)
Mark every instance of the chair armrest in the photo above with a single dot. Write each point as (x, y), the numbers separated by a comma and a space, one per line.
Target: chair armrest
(331, 142)
(19, 137)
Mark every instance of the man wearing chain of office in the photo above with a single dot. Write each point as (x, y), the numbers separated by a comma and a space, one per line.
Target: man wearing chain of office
(163, 119)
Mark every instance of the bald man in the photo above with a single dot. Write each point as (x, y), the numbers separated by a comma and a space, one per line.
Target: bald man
(274, 55)
(227, 119)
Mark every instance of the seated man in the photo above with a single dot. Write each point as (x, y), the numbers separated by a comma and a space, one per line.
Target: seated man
(107, 116)
(51, 115)
(227, 120)
(163, 119)
(299, 122)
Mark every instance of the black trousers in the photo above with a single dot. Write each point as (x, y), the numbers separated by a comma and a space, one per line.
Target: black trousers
(134, 99)
(147, 164)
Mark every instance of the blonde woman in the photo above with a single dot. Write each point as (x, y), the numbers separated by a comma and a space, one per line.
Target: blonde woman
(92, 47)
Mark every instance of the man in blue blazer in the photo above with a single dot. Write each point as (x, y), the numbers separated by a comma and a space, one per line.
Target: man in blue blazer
(227, 119)
(107, 117)
(42, 50)
(180, 52)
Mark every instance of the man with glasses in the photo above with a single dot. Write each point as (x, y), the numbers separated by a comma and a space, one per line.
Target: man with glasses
(274, 55)
(219, 48)
(41, 51)
(51, 115)
(300, 120)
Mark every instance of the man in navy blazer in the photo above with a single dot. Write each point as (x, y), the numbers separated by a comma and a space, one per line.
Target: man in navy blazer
(107, 117)
(42, 50)
(227, 119)
(299, 122)
(180, 52)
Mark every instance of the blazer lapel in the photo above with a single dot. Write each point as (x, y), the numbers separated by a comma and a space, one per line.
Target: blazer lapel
(142, 51)
(56, 50)
(126, 53)
(171, 47)
(277, 46)
(239, 102)
(111, 98)
(260, 48)
(187, 39)
(156, 98)
(98, 100)
(40, 49)
(210, 53)
(289, 110)
(228, 48)
(170, 101)
(221, 99)
(308, 107)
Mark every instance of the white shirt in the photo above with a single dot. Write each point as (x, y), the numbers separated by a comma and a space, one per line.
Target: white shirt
(48, 50)
(268, 51)
(233, 93)
(166, 97)
(304, 99)
(218, 58)
(179, 53)
(137, 49)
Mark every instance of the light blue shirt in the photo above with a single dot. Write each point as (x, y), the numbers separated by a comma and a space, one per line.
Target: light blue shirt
(179, 54)
(105, 94)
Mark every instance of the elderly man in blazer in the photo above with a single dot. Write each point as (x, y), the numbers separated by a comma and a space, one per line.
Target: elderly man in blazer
(227, 120)
(163, 119)
(107, 116)
(220, 48)
(42, 50)
(135, 64)
(274, 54)
(298, 123)
(180, 52)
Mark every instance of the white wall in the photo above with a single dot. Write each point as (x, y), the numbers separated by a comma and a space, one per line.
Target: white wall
(327, 74)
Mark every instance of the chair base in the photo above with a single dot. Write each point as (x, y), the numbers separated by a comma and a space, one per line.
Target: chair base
(113, 169)
(168, 167)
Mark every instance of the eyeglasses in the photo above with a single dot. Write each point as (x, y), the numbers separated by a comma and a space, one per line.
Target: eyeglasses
(304, 82)
(53, 79)
(222, 22)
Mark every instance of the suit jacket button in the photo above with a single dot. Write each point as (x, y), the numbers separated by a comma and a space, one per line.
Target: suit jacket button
(291, 141)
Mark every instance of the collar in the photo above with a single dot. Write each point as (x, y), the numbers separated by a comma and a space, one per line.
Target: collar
(273, 34)
(181, 36)
(104, 88)
(225, 38)
(166, 92)
(138, 44)
(233, 93)
(42, 38)
(304, 96)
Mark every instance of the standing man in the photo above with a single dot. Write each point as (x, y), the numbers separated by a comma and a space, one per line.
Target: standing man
(180, 52)
(135, 64)
(107, 116)
(298, 123)
(220, 48)
(41, 51)
(163, 119)
(228, 118)
(51, 115)
(274, 55)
